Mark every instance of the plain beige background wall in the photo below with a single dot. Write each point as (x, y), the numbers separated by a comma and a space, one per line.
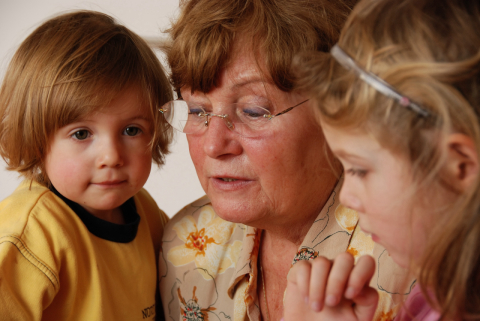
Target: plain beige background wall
(175, 184)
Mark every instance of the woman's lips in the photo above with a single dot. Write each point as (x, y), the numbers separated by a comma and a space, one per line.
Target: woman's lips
(229, 179)
(230, 183)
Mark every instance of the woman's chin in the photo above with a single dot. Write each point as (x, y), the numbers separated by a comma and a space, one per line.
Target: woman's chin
(236, 208)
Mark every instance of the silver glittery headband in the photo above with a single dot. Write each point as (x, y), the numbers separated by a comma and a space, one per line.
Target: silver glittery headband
(376, 82)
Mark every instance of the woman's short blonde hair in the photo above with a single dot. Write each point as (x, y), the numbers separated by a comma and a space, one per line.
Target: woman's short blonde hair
(204, 34)
(428, 50)
(68, 67)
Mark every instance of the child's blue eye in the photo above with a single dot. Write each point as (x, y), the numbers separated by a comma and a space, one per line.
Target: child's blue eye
(132, 131)
(81, 134)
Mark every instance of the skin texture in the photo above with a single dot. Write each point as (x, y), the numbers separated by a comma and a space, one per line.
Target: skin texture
(102, 160)
(331, 290)
(378, 184)
(282, 179)
(275, 173)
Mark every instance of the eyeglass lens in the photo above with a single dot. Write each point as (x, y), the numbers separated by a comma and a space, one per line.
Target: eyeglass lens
(248, 120)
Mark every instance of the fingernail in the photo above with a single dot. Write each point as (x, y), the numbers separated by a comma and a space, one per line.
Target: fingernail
(316, 306)
(331, 300)
(282, 319)
(350, 293)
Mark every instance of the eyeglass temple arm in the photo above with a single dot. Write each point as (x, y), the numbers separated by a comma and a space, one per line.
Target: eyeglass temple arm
(288, 109)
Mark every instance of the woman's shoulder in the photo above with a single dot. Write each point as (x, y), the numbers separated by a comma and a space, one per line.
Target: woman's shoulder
(194, 206)
(192, 209)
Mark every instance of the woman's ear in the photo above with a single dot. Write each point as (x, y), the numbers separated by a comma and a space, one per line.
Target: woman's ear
(462, 161)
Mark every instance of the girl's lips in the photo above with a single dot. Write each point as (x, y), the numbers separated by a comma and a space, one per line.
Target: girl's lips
(110, 183)
(375, 238)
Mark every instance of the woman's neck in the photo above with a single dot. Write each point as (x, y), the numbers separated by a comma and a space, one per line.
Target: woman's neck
(297, 222)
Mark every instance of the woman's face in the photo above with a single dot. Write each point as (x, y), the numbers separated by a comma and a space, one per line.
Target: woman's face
(273, 179)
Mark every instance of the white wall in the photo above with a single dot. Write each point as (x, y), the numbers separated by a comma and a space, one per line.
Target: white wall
(174, 185)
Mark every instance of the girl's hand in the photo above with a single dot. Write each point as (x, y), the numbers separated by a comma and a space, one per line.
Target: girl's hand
(324, 290)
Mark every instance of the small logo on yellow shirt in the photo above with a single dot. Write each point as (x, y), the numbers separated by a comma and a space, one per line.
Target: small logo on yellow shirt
(148, 312)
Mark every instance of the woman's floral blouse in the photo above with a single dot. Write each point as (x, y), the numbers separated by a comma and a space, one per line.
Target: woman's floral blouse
(208, 266)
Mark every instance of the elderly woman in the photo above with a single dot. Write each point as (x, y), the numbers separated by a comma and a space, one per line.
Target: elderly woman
(272, 193)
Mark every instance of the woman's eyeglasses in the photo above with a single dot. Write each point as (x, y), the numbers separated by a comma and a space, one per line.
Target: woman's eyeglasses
(245, 119)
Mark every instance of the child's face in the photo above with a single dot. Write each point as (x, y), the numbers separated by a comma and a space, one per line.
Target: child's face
(103, 159)
(378, 185)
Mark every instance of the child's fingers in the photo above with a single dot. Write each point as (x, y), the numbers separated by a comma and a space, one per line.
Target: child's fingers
(295, 308)
(338, 279)
(318, 281)
(360, 276)
(366, 303)
(300, 276)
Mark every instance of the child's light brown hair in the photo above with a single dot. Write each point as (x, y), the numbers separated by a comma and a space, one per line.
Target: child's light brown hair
(68, 67)
(428, 50)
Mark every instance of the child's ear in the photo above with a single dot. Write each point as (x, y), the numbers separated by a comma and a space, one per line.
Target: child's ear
(462, 161)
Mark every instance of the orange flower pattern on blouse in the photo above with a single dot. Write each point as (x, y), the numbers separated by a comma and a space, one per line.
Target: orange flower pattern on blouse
(386, 309)
(205, 243)
(217, 262)
(198, 241)
(190, 309)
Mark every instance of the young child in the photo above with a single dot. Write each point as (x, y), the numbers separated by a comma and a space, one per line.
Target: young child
(399, 102)
(79, 120)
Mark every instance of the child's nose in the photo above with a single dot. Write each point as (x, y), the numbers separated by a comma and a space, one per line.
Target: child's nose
(349, 199)
(110, 154)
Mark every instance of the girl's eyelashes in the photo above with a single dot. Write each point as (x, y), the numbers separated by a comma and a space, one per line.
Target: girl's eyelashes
(81, 134)
(357, 172)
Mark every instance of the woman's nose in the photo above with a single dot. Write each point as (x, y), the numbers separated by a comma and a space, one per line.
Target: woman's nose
(110, 154)
(220, 140)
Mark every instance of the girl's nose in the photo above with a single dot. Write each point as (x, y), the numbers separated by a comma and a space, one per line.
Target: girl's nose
(349, 198)
(110, 154)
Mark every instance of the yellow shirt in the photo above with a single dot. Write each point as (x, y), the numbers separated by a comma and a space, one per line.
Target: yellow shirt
(208, 266)
(53, 268)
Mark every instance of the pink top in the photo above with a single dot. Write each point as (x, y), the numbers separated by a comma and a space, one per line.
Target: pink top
(417, 308)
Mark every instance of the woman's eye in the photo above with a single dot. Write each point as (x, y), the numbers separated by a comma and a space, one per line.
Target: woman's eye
(132, 131)
(81, 134)
(195, 111)
(357, 172)
(254, 112)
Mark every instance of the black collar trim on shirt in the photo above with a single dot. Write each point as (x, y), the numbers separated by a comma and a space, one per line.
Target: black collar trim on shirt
(119, 233)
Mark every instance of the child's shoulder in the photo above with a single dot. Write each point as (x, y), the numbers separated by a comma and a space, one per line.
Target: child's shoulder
(30, 203)
(147, 208)
(146, 205)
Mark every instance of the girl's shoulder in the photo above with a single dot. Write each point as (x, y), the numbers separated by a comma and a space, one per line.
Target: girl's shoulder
(416, 307)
